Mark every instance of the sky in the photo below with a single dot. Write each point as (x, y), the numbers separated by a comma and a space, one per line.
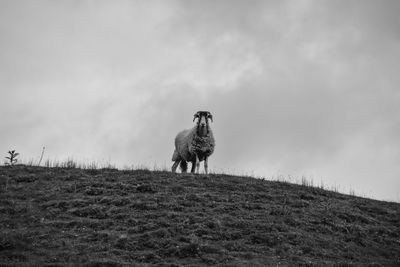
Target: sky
(296, 88)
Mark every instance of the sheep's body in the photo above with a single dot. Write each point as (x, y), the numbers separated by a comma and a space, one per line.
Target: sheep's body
(188, 144)
(193, 145)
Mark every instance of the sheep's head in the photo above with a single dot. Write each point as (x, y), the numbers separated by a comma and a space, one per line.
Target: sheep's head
(202, 122)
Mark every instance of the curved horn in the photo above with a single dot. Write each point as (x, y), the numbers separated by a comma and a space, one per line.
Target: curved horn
(196, 116)
(210, 116)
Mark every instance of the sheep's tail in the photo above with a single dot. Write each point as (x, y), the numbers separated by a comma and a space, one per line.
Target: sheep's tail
(175, 156)
(183, 166)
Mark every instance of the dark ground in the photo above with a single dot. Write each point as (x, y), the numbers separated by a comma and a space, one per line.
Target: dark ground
(75, 217)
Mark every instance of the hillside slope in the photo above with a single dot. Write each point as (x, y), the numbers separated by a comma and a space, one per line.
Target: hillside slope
(75, 217)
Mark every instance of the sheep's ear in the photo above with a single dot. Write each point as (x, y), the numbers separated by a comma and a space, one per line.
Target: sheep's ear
(195, 116)
(210, 117)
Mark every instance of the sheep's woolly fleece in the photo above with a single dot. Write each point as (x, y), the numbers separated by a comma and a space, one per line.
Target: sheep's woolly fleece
(188, 144)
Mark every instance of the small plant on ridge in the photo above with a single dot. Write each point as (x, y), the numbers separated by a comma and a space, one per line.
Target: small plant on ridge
(12, 158)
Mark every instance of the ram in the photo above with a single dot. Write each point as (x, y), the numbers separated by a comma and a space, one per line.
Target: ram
(194, 145)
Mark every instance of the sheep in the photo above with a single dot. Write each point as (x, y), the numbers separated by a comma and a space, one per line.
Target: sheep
(194, 145)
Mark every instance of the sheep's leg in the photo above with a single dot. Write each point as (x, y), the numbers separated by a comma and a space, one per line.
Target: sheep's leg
(175, 165)
(197, 164)
(193, 166)
(206, 165)
(183, 166)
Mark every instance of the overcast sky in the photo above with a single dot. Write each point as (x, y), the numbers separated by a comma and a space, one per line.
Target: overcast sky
(299, 88)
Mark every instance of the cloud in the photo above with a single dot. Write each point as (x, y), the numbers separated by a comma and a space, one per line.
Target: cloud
(299, 88)
(321, 83)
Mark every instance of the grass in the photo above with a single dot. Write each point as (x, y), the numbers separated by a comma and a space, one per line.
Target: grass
(69, 214)
(71, 163)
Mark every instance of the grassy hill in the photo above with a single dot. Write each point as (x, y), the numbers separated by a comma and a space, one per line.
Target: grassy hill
(77, 217)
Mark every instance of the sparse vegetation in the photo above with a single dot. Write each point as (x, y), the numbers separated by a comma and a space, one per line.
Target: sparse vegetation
(12, 158)
(41, 156)
(70, 163)
(68, 216)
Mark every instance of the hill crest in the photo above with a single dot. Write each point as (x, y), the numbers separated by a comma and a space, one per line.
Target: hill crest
(108, 217)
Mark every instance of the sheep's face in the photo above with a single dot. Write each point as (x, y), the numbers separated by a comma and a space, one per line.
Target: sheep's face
(203, 118)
